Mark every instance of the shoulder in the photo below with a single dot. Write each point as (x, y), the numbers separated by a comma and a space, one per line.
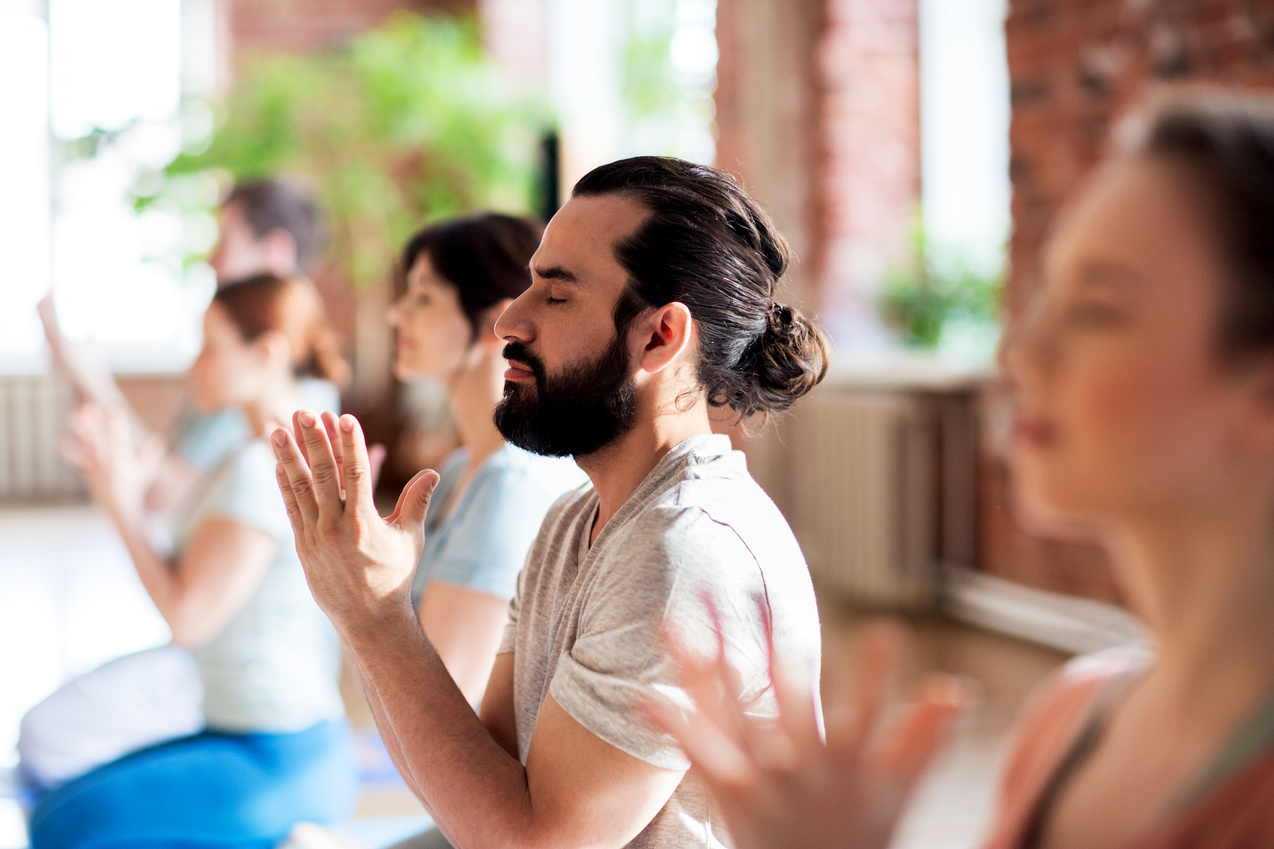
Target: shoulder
(514, 469)
(1053, 718)
(244, 488)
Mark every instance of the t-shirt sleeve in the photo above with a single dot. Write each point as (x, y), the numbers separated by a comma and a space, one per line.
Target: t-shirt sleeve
(247, 492)
(486, 544)
(509, 642)
(620, 656)
(206, 439)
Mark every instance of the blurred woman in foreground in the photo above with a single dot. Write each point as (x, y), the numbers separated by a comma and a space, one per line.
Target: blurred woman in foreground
(1144, 405)
(275, 747)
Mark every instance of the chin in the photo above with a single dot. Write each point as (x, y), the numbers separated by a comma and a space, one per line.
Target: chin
(1049, 505)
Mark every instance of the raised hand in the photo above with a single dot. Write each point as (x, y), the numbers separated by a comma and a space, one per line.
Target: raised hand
(359, 565)
(777, 783)
(117, 473)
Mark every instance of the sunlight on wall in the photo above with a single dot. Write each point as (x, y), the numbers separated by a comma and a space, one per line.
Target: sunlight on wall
(24, 184)
(630, 77)
(964, 107)
(89, 95)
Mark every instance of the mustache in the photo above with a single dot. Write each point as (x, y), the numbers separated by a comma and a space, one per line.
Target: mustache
(518, 351)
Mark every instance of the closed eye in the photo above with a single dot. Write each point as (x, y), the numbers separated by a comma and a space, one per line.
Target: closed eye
(1094, 314)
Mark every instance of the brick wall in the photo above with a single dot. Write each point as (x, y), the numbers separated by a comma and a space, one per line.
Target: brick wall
(264, 26)
(869, 175)
(1075, 67)
(818, 114)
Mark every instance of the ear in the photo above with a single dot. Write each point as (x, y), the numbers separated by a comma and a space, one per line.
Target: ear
(279, 252)
(486, 337)
(665, 336)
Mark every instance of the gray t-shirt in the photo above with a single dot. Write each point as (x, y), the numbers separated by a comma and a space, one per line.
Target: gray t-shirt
(587, 623)
(274, 666)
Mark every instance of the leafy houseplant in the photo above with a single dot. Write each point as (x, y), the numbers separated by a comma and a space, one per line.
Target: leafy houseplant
(929, 293)
(405, 123)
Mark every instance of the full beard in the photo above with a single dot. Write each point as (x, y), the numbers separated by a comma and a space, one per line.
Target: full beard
(575, 413)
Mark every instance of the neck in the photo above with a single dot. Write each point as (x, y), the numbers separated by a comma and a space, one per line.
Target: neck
(1205, 588)
(474, 391)
(619, 468)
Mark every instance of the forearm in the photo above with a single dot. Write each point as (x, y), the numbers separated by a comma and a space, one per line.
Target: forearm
(386, 727)
(477, 792)
(155, 572)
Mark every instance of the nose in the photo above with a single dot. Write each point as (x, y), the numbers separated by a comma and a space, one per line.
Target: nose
(1029, 346)
(514, 324)
(391, 313)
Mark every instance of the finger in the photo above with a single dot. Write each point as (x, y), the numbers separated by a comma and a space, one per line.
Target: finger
(298, 475)
(84, 422)
(414, 503)
(72, 450)
(334, 439)
(879, 659)
(402, 499)
(289, 501)
(708, 746)
(322, 463)
(909, 748)
(298, 434)
(117, 429)
(702, 681)
(357, 469)
(153, 450)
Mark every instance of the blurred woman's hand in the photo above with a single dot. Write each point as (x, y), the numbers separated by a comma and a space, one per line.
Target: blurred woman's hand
(117, 472)
(777, 783)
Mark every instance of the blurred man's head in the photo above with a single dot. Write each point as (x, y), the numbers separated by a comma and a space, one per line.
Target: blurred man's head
(266, 227)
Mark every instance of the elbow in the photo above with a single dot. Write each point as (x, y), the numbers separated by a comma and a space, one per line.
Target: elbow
(189, 631)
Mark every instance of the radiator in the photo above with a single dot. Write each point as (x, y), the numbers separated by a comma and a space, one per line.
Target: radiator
(885, 493)
(33, 414)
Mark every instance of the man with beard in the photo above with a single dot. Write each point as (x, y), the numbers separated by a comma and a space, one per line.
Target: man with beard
(652, 304)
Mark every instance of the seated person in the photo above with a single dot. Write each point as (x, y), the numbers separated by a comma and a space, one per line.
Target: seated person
(492, 496)
(268, 226)
(652, 303)
(275, 747)
(1144, 404)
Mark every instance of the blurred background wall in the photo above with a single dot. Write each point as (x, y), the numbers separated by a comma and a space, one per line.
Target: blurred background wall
(913, 151)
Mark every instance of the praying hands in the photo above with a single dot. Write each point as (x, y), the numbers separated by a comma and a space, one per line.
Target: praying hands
(358, 564)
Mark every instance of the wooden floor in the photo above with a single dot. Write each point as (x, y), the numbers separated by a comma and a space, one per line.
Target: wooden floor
(70, 601)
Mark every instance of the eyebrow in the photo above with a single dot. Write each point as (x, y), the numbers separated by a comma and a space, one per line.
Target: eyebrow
(555, 272)
(1106, 274)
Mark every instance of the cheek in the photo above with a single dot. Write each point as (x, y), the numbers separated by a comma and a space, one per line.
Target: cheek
(1134, 429)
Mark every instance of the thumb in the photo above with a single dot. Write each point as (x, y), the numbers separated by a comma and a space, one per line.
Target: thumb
(414, 503)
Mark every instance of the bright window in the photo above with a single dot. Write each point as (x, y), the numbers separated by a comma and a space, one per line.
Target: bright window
(92, 93)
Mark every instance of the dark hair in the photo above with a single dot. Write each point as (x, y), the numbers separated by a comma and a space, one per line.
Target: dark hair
(291, 306)
(1226, 143)
(708, 245)
(277, 204)
(485, 256)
